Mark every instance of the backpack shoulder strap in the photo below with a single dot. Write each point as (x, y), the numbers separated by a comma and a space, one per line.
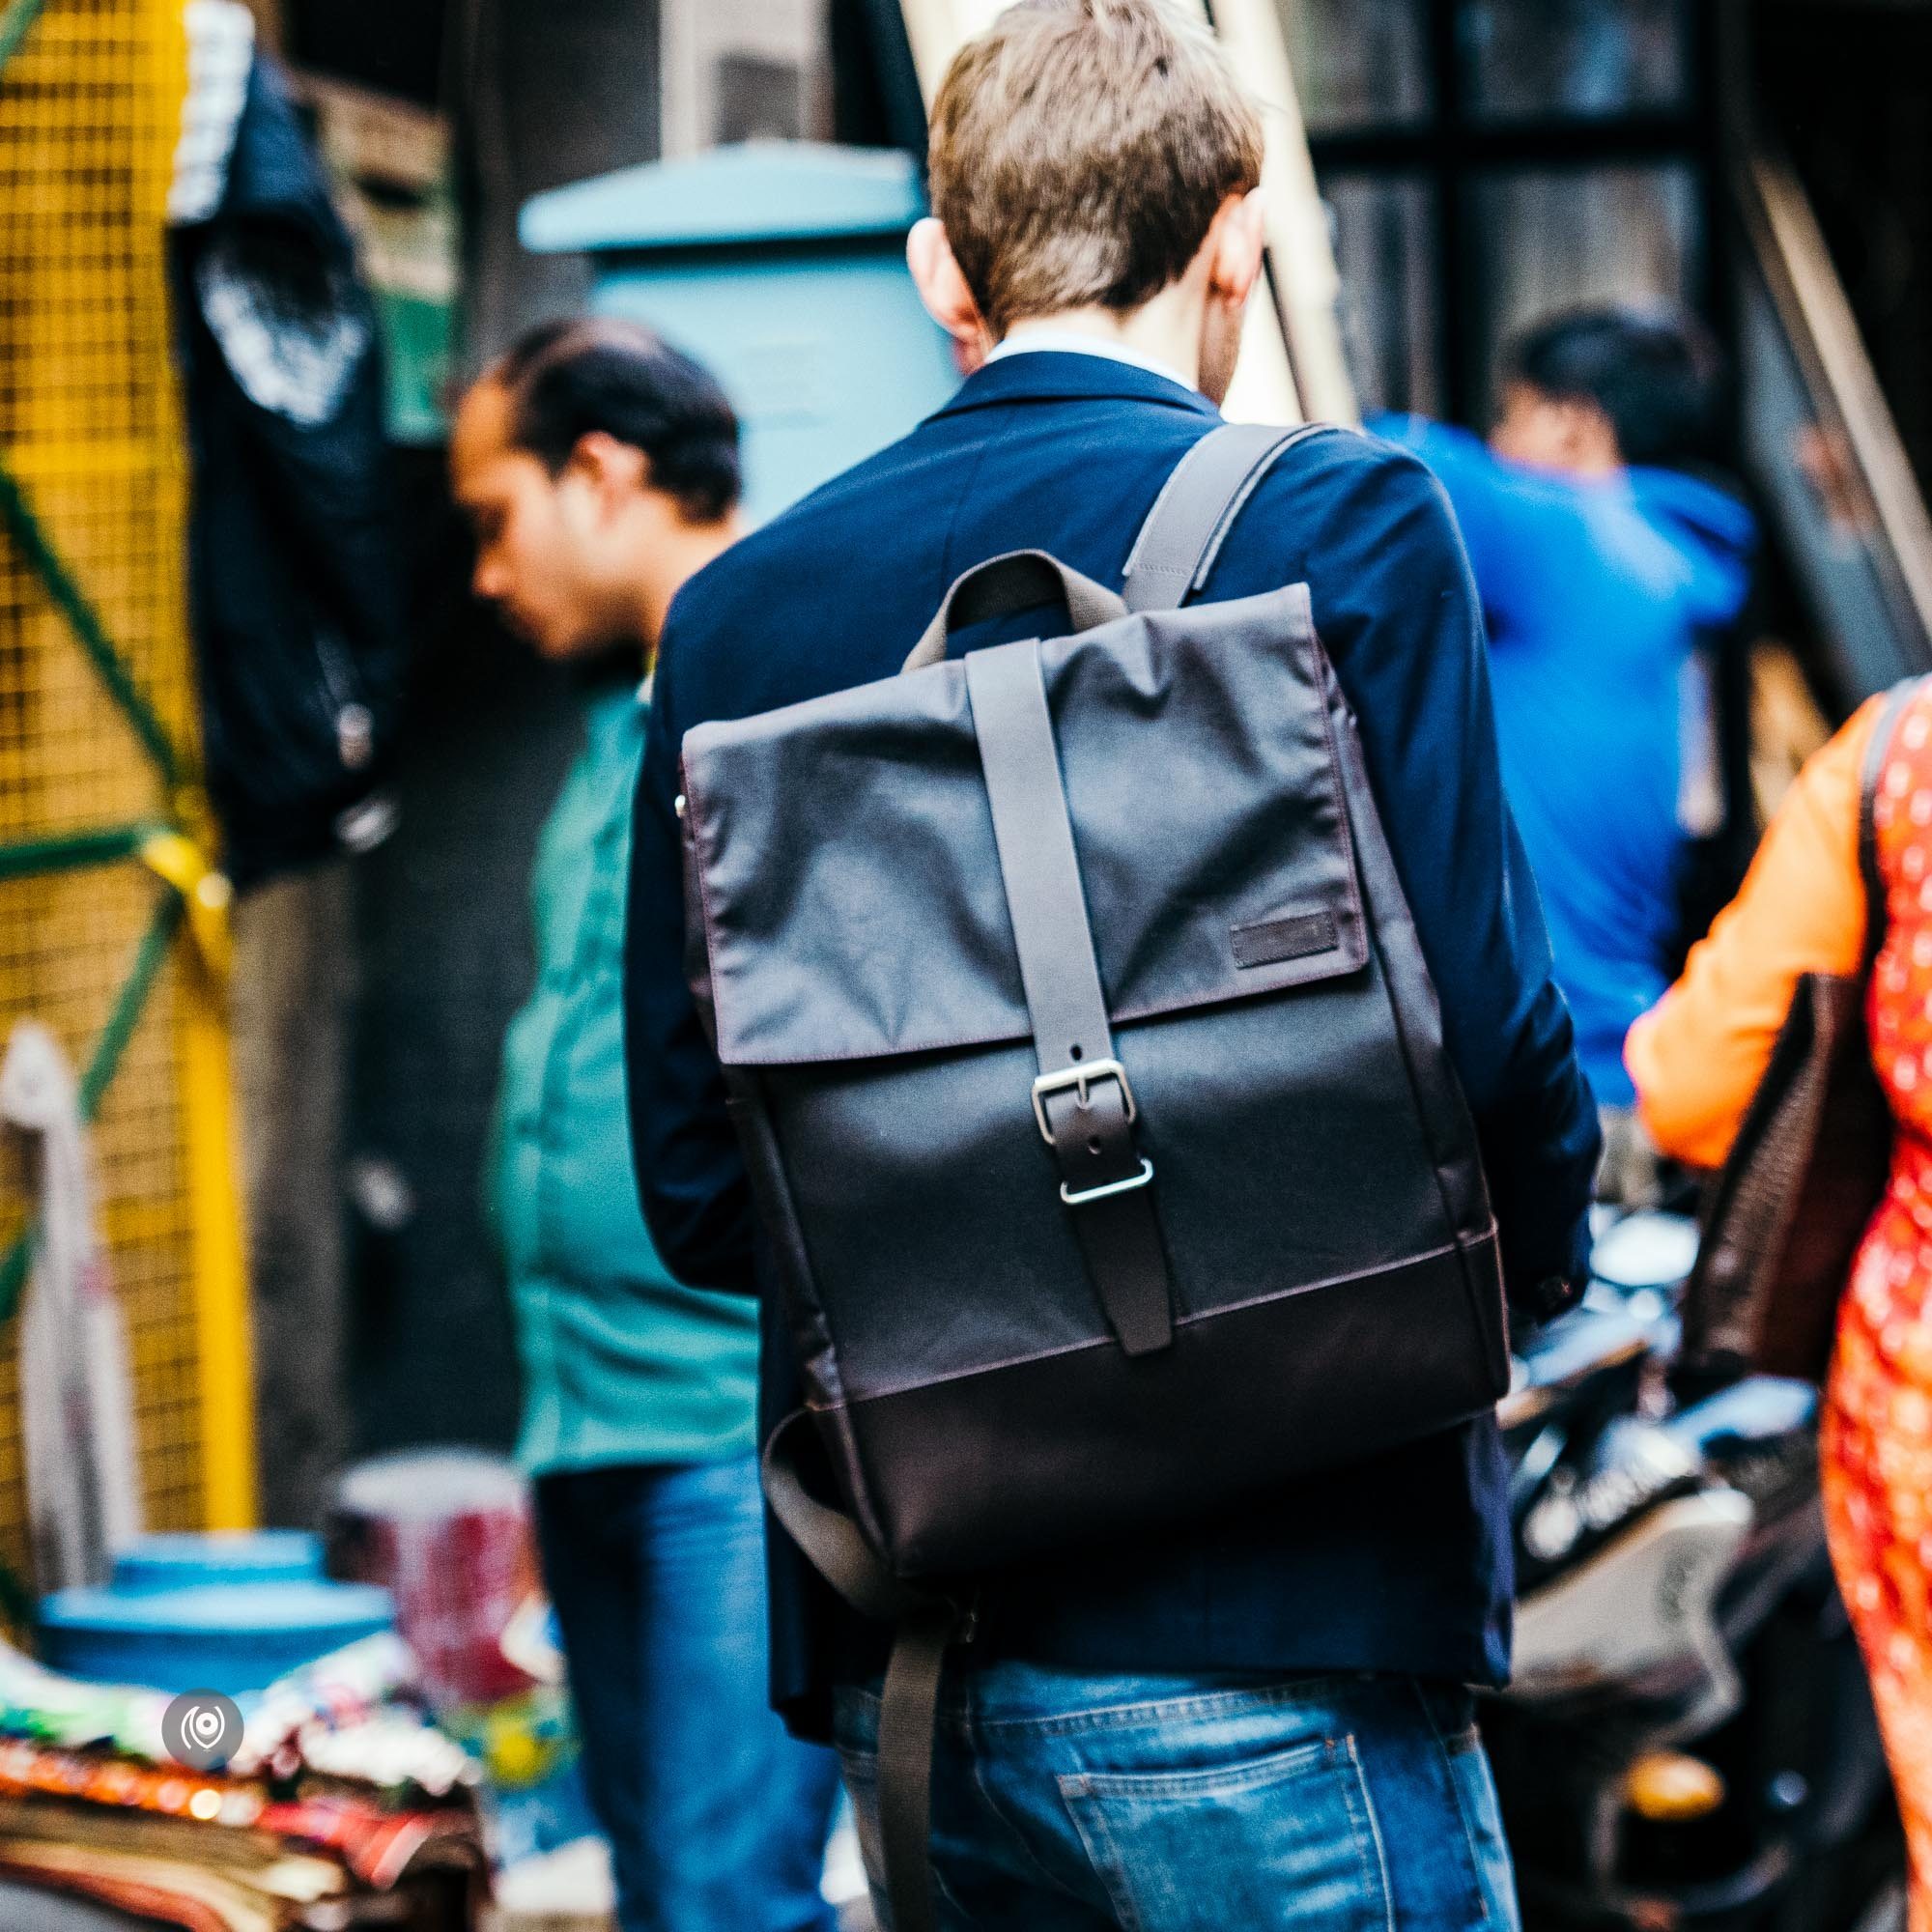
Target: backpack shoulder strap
(1197, 507)
(1883, 733)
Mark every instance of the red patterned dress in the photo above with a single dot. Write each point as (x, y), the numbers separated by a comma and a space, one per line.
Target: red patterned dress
(1877, 1444)
(1697, 1060)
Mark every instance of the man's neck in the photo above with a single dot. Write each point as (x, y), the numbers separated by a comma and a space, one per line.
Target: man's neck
(1166, 330)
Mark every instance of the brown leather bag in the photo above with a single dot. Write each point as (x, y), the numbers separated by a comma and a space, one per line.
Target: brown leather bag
(1785, 1218)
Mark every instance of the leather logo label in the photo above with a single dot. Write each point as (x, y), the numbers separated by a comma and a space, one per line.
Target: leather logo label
(1267, 941)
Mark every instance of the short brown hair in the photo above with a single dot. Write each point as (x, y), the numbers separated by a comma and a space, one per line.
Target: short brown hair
(1080, 149)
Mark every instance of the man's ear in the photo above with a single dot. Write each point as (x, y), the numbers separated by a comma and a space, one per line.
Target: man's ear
(943, 288)
(1235, 244)
(613, 468)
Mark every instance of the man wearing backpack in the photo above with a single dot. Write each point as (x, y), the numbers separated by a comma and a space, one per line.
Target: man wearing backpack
(1259, 1718)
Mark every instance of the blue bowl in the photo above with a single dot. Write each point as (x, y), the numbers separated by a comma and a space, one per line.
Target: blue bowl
(184, 1560)
(232, 1638)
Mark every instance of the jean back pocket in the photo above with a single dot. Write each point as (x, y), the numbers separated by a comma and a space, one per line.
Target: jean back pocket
(1285, 1843)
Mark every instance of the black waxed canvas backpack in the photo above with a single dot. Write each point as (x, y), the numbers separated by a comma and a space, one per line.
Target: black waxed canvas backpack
(1091, 1084)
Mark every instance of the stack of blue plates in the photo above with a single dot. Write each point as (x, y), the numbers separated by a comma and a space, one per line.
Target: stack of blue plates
(219, 1612)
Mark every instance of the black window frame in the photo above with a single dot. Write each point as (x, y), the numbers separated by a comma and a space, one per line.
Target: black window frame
(1448, 148)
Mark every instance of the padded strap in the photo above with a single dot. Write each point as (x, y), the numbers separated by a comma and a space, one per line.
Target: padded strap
(929, 1626)
(1003, 587)
(1876, 753)
(1083, 1103)
(1197, 507)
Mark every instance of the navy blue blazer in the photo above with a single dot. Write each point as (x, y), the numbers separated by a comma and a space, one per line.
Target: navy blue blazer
(1401, 1564)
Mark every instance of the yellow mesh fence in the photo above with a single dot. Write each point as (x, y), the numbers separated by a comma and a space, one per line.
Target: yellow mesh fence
(90, 110)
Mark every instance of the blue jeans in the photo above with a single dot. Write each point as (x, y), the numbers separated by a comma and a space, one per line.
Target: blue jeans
(1063, 1802)
(717, 1819)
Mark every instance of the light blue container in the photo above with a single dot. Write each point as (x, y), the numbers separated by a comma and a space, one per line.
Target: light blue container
(780, 266)
(228, 1613)
(236, 1556)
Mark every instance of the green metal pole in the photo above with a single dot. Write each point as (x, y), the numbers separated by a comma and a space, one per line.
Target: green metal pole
(18, 516)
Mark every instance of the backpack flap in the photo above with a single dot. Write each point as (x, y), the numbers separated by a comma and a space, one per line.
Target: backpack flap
(849, 886)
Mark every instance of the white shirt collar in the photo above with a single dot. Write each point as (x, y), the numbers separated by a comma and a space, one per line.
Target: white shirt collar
(1076, 342)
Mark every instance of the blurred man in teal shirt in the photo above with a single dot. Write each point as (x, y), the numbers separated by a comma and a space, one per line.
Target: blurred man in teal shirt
(599, 469)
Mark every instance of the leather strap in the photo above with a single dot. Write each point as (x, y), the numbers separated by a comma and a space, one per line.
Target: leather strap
(829, 1538)
(1876, 753)
(908, 1726)
(1197, 507)
(1003, 587)
(1082, 1098)
(929, 1626)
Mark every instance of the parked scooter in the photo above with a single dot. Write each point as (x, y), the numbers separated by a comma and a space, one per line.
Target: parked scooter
(1689, 1741)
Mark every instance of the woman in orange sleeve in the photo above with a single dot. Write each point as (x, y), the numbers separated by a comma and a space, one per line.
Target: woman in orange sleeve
(1697, 1059)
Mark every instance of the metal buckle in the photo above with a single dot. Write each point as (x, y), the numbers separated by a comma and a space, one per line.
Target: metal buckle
(1081, 1077)
(1108, 1187)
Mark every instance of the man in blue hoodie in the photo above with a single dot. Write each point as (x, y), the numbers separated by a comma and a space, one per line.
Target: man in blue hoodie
(1601, 572)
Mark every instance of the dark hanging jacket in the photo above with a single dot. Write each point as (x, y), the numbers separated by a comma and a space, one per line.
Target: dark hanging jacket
(294, 579)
